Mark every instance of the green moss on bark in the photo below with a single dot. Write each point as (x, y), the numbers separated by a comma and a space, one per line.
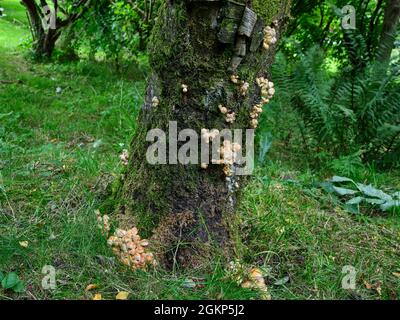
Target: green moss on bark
(267, 9)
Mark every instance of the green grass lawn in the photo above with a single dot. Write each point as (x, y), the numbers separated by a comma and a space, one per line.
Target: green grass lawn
(13, 27)
(59, 153)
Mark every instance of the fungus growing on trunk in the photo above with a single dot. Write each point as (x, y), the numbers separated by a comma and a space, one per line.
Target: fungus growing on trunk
(234, 78)
(155, 102)
(267, 92)
(223, 109)
(244, 88)
(269, 37)
(230, 117)
(208, 136)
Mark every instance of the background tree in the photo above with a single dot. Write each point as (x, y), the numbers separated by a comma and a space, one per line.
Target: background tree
(117, 29)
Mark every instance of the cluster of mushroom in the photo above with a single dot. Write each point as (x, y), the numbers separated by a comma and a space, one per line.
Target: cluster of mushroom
(269, 37)
(230, 117)
(267, 89)
(228, 155)
(256, 281)
(208, 136)
(254, 114)
(124, 157)
(235, 79)
(244, 86)
(130, 249)
(267, 92)
(184, 88)
(155, 102)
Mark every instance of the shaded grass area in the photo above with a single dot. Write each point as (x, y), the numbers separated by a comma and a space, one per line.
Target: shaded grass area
(62, 128)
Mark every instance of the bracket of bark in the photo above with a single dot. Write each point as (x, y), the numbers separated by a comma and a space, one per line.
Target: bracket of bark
(245, 30)
(232, 14)
(249, 20)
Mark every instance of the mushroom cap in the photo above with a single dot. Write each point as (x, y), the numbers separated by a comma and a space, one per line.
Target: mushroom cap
(247, 285)
(256, 274)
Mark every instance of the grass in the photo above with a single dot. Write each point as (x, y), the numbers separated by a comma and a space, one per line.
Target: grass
(13, 25)
(59, 155)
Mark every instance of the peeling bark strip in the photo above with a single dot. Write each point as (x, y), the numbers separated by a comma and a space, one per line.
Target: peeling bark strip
(248, 22)
(188, 210)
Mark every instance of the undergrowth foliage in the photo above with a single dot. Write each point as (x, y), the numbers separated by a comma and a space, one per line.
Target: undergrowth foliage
(344, 112)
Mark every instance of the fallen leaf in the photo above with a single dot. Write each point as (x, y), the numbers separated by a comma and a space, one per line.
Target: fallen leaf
(24, 244)
(122, 295)
(396, 274)
(97, 296)
(91, 287)
(376, 287)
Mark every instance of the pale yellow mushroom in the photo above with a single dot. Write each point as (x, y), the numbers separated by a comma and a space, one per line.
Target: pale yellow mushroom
(234, 79)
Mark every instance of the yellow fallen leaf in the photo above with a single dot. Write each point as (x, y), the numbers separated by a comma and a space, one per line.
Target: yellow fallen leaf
(396, 274)
(91, 287)
(24, 244)
(97, 296)
(122, 295)
(368, 285)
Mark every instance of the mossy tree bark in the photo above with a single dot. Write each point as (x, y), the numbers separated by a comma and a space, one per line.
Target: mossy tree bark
(189, 211)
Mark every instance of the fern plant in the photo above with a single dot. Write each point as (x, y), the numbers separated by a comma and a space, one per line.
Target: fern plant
(346, 112)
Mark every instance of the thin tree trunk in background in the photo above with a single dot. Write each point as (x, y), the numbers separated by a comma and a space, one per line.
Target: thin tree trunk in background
(43, 40)
(189, 211)
(389, 29)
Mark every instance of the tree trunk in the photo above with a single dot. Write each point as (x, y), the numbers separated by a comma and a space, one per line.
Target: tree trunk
(43, 40)
(389, 29)
(45, 37)
(195, 49)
